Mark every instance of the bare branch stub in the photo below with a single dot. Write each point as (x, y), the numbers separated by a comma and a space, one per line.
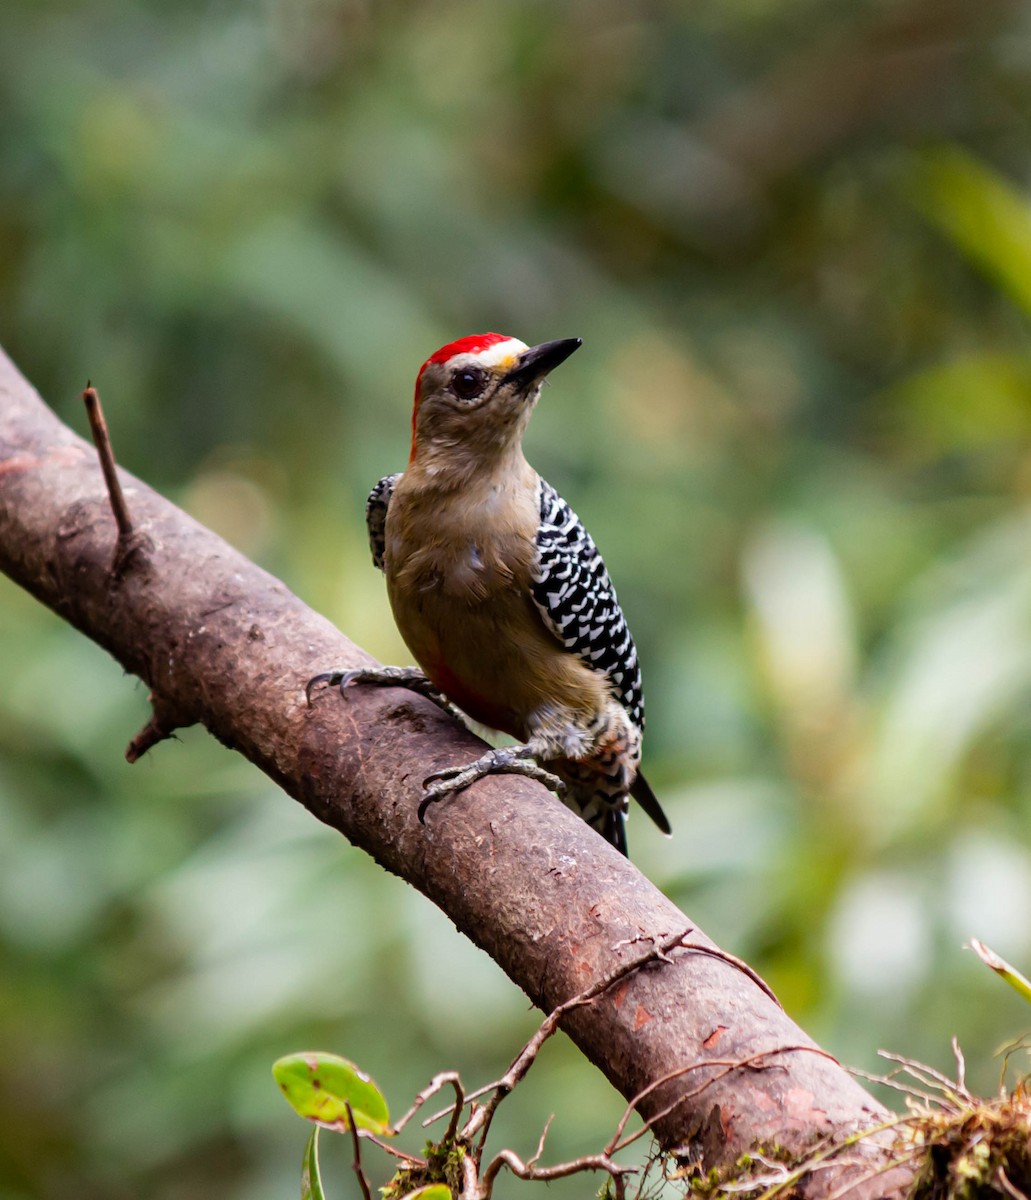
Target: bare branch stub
(131, 550)
(131, 545)
(165, 719)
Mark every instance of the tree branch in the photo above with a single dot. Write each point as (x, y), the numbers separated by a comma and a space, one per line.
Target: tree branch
(220, 641)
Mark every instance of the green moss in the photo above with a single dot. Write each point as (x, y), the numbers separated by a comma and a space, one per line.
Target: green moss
(443, 1165)
(978, 1151)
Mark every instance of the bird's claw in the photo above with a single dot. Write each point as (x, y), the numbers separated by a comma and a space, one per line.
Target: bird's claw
(430, 795)
(405, 677)
(330, 678)
(495, 762)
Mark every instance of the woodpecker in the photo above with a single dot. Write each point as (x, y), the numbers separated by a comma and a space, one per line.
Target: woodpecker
(500, 593)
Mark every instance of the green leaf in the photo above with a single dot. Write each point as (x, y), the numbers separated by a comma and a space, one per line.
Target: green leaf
(432, 1191)
(1001, 967)
(320, 1086)
(963, 404)
(983, 213)
(311, 1176)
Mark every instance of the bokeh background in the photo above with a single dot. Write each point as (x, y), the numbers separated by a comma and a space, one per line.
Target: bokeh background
(795, 236)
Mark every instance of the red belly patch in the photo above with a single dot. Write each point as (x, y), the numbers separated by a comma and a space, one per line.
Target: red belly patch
(481, 708)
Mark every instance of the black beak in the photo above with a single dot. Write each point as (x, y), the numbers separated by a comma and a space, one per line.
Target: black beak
(536, 362)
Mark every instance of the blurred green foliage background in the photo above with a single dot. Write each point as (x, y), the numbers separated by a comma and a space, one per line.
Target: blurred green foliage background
(795, 236)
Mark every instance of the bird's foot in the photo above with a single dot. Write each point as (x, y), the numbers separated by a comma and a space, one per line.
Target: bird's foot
(509, 760)
(406, 677)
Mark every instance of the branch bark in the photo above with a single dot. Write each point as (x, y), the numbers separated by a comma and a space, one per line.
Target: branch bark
(220, 641)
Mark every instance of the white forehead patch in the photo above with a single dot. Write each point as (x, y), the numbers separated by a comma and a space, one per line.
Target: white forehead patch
(501, 354)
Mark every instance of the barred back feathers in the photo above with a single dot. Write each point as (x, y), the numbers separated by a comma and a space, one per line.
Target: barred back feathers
(574, 594)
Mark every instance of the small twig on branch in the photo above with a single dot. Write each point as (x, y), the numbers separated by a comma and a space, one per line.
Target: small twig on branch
(165, 719)
(660, 956)
(961, 1067)
(130, 543)
(931, 1078)
(713, 952)
(102, 440)
(540, 1144)
(411, 1160)
(936, 1090)
(528, 1171)
(436, 1084)
(892, 1081)
(356, 1166)
(733, 961)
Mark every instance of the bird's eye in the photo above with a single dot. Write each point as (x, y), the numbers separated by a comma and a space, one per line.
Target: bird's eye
(468, 382)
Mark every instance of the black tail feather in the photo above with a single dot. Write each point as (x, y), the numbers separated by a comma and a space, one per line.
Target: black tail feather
(645, 797)
(614, 829)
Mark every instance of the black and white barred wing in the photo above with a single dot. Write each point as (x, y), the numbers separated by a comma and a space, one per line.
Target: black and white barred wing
(376, 516)
(575, 596)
